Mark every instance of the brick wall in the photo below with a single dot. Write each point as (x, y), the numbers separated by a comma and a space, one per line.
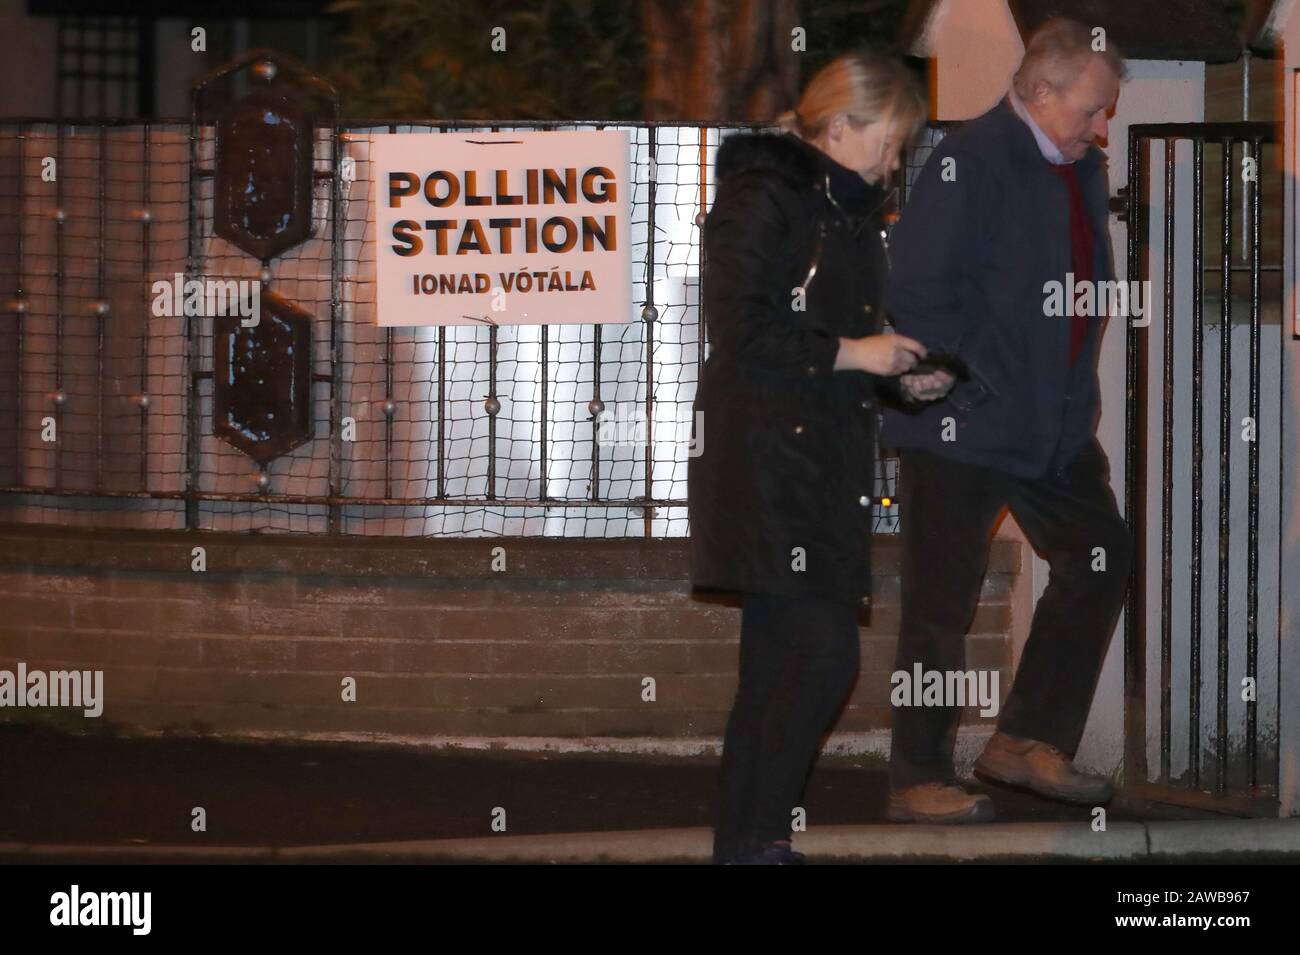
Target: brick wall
(440, 646)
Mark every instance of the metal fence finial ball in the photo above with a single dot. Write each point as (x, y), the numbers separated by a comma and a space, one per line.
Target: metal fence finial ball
(390, 407)
(59, 397)
(699, 219)
(264, 276)
(595, 406)
(263, 479)
(492, 406)
(142, 401)
(649, 313)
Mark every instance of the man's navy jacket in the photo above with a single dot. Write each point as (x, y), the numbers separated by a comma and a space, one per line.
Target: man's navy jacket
(970, 259)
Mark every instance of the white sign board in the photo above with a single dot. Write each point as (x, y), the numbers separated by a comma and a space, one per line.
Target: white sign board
(519, 228)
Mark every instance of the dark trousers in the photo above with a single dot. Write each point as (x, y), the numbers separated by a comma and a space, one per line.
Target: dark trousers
(948, 511)
(798, 661)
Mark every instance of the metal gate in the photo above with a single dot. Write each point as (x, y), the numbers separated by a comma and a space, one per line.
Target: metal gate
(1202, 643)
(569, 430)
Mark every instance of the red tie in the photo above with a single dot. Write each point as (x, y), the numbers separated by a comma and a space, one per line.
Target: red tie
(1080, 251)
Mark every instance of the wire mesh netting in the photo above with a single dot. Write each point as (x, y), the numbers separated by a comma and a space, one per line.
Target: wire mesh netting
(565, 430)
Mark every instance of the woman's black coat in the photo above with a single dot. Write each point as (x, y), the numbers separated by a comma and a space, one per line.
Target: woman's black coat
(780, 491)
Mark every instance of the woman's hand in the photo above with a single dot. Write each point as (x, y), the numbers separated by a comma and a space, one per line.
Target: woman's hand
(927, 387)
(890, 354)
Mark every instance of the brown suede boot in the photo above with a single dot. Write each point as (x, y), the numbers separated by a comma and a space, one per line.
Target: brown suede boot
(1040, 768)
(938, 803)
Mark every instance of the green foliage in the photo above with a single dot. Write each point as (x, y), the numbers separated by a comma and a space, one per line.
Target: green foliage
(417, 59)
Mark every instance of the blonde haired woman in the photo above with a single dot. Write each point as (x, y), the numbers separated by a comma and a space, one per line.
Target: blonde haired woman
(781, 493)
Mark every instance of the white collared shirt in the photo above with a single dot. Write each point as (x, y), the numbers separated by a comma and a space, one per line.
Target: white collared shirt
(1045, 145)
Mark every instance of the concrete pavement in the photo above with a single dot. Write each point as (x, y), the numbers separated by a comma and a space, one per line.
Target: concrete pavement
(1235, 840)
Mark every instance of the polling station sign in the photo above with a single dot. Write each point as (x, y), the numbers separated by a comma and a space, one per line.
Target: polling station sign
(517, 228)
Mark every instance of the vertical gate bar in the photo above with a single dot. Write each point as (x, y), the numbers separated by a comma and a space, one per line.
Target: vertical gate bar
(1198, 454)
(1167, 468)
(59, 220)
(492, 418)
(191, 352)
(1245, 116)
(648, 315)
(146, 225)
(101, 300)
(545, 395)
(595, 418)
(704, 206)
(1135, 710)
(1252, 452)
(334, 520)
(1225, 478)
(20, 308)
(390, 409)
(593, 488)
(442, 411)
(388, 399)
(442, 402)
(700, 325)
(492, 393)
(1285, 655)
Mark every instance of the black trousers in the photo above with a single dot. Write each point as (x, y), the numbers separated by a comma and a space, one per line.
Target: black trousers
(798, 661)
(948, 510)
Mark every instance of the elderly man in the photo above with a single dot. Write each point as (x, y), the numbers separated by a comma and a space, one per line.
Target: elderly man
(1008, 204)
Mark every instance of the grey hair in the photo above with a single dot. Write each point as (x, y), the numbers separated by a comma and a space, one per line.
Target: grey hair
(1057, 53)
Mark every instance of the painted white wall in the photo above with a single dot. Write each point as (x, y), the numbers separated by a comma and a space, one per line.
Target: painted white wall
(1268, 448)
(1287, 23)
(1156, 91)
(975, 47)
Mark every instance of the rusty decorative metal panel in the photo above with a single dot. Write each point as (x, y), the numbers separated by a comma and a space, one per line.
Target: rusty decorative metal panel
(263, 172)
(262, 374)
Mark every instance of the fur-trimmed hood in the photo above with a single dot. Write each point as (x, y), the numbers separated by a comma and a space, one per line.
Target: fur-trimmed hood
(800, 163)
